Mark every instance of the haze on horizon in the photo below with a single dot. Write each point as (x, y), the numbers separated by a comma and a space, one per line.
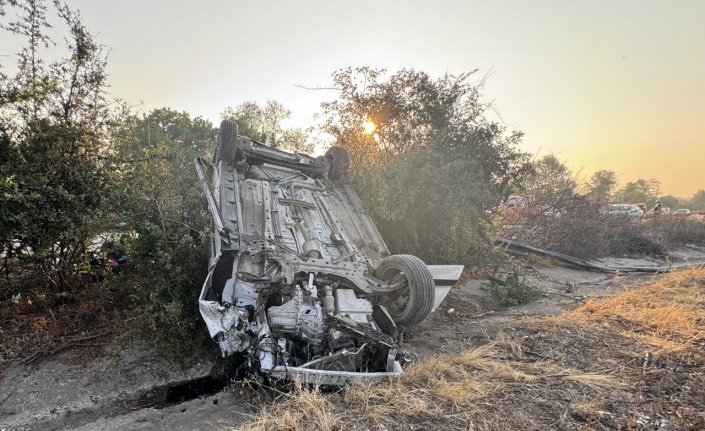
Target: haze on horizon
(613, 85)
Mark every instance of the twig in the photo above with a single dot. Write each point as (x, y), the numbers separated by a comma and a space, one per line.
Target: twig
(564, 295)
(481, 314)
(161, 217)
(318, 88)
(539, 355)
(66, 345)
(547, 376)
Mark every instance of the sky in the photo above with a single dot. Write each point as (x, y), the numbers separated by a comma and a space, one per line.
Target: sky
(612, 84)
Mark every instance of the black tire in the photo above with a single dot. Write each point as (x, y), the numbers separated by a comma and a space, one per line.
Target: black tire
(411, 304)
(338, 162)
(227, 140)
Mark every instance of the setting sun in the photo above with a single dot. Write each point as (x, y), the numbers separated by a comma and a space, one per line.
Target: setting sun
(369, 127)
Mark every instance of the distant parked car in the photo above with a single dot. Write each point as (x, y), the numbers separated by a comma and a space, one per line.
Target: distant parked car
(681, 212)
(630, 210)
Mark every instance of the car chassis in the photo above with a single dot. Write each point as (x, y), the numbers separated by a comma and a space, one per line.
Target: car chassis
(301, 284)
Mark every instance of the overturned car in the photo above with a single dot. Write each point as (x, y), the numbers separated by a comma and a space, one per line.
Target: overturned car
(301, 285)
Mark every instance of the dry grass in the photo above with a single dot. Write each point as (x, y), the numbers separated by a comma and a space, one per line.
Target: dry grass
(579, 370)
(446, 389)
(595, 381)
(306, 408)
(668, 315)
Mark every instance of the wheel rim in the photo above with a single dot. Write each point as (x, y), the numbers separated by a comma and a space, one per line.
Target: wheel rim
(396, 302)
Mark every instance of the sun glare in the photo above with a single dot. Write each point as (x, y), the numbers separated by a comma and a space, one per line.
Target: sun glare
(369, 127)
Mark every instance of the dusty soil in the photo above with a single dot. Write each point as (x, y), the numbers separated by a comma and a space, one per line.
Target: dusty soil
(471, 316)
(133, 390)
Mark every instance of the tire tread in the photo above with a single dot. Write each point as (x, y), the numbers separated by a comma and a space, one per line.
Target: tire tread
(420, 281)
(227, 140)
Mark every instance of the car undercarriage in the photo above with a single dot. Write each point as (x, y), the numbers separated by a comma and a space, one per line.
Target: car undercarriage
(301, 284)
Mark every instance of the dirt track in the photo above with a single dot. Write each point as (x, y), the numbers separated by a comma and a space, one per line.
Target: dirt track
(127, 391)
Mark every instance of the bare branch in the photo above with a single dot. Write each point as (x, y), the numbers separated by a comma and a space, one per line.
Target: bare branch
(318, 88)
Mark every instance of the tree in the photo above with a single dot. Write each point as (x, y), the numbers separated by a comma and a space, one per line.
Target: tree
(644, 191)
(409, 111)
(160, 197)
(432, 205)
(263, 123)
(550, 182)
(673, 202)
(697, 201)
(601, 186)
(55, 121)
(425, 160)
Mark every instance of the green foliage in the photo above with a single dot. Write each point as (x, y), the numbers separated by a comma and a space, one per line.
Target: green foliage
(160, 197)
(70, 168)
(433, 166)
(639, 191)
(263, 123)
(52, 212)
(514, 290)
(53, 181)
(601, 186)
(431, 205)
(673, 202)
(549, 183)
(164, 291)
(697, 201)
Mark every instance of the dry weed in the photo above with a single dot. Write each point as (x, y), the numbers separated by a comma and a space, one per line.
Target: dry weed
(382, 404)
(667, 314)
(301, 409)
(595, 381)
(438, 389)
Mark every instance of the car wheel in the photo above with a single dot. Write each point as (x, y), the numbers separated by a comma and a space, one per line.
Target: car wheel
(338, 162)
(412, 303)
(227, 140)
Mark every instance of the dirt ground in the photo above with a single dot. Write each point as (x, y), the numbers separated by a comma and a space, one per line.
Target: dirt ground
(138, 390)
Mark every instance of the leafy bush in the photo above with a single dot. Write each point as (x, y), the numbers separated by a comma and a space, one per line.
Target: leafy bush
(433, 165)
(430, 205)
(164, 291)
(53, 136)
(514, 290)
(160, 198)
